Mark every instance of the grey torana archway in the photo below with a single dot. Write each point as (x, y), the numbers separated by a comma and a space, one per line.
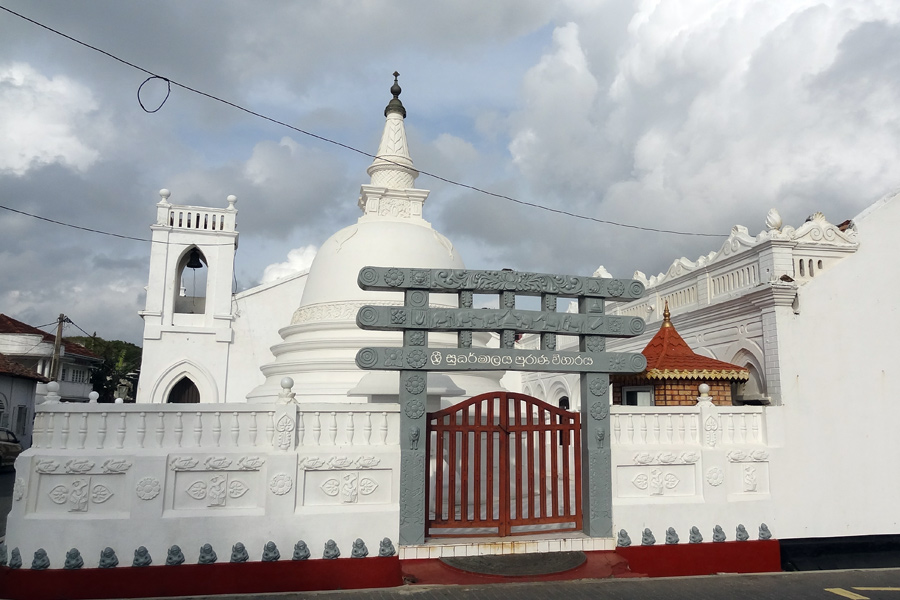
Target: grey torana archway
(414, 359)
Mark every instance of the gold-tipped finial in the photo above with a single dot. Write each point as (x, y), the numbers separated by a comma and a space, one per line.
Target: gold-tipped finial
(666, 314)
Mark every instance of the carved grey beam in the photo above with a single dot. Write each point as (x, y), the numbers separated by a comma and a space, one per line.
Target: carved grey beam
(524, 284)
(495, 359)
(490, 319)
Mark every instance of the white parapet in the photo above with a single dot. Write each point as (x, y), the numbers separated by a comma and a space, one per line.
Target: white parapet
(701, 465)
(126, 476)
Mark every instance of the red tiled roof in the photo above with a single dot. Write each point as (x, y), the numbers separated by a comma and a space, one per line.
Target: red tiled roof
(10, 325)
(11, 367)
(669, 357)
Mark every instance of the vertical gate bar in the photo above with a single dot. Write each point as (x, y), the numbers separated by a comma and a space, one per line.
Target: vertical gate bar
(439, 472)
(477, 466)
(520, 476)
(451, 475)
(429, 496)
(489, 468)
(464, 471)
(555, 445)
(532, 459)
(543, 462)
(578, 505)
(505, 474)
(566, 482)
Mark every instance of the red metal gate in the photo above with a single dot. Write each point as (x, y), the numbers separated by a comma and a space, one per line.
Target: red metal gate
(503, 464)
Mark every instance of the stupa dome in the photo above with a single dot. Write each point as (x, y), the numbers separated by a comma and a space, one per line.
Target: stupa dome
(320, 343)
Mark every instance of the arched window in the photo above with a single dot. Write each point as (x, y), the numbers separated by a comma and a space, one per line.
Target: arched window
(184, 392)
(190, 292)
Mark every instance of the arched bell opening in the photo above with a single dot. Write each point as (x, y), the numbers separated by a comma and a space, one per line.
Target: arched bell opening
(184, 392)
(192, 276)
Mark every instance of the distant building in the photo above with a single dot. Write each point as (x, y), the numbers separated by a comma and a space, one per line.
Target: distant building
(17, 387)
(33, 348)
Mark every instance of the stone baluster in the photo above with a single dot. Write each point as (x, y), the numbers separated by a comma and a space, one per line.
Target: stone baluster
(82, 431)
(101, 431)
(756, 428)
(332, 429)
(235, 429)
(351, 428)
(142, 429)
(656, 429)
(179, 429)
(384, 428)
(160, 429)
(367, 429)
(64, 432)
(730, 428)
(642, 433)
(301, 427)
(617, 427)
(317, 428)
(270, 429)
(120, 432)
(670, 428)
(253, 430)
(48, 432)
(681, 429)
(198, 429)
(217, 428)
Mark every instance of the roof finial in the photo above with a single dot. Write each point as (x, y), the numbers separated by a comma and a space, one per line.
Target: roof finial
(666, 314)
(395, 105)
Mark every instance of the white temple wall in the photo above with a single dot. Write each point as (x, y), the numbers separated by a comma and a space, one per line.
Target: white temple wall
(840, 367)
(124, 476)
(259, 313)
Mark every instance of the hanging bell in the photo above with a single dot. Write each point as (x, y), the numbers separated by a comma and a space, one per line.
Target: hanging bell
(194, 260)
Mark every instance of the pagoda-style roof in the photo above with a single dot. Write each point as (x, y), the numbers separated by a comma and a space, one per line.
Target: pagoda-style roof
(669, 357)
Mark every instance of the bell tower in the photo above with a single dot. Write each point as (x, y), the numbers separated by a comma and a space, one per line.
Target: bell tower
(188, 315)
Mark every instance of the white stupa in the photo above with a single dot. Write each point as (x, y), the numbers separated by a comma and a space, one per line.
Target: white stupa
(321, 341)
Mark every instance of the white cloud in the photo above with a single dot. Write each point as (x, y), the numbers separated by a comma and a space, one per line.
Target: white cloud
(42, 120)
(298, 259)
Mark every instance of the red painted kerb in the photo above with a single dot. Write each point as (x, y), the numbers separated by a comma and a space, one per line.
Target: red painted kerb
(200, 580)
(708, 558)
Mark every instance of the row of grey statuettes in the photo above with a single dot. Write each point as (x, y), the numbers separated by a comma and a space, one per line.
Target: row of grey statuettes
(647, 538)
(175, 556)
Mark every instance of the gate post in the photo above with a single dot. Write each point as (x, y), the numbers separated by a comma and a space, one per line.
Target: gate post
(413, 398)
(596, 486)
(596, 463)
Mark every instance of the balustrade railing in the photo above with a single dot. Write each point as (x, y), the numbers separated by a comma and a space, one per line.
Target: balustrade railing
(148, 426)
(654, 425)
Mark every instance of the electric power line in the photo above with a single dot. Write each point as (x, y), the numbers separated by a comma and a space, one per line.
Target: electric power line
(118, 235)
(171, 82)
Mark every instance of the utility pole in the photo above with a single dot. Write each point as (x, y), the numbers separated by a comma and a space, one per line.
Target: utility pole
(54, 364)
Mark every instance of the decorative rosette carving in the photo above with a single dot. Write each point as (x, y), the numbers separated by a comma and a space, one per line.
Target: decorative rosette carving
(393, 277)
(598, 387)
(416, 359)
(147, 488)
(599, 411)
(615, 287)
(415, 384)
(414, 409)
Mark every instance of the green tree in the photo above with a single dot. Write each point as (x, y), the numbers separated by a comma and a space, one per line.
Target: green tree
(121, 363)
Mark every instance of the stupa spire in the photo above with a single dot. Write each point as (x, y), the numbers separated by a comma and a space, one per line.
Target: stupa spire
(393, 168)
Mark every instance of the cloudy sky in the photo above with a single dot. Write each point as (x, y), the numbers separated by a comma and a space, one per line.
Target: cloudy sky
(689, 116)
